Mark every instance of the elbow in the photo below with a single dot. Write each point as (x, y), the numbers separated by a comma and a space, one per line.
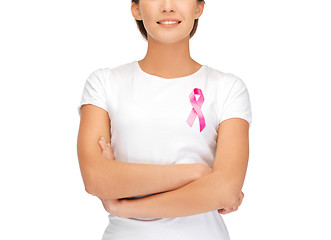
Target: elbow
(229, 193)
(229, 198)
(90, 186)
(100, 182)
(89, 190)
(90, 182)
(96, 190)
(232, 200)
(97, 186)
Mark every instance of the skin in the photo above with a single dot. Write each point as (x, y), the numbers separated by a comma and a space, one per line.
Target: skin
(113, 205)
(110, 205)
(168, 48)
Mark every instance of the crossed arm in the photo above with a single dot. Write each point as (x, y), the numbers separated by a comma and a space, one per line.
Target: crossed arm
(183, 197)
(188, 200)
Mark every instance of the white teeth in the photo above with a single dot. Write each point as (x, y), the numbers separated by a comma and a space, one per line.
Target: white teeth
(169, 22)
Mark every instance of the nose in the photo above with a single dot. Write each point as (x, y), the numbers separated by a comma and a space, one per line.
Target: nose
(168, 5)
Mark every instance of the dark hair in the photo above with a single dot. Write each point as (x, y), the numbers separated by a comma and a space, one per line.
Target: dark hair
(143, 30)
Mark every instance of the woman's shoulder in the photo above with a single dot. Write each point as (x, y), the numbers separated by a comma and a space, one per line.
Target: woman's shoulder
(119, 68)
(117, 71)
(222, 76)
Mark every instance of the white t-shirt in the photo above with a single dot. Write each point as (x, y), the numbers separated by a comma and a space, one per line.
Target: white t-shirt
(156, 120)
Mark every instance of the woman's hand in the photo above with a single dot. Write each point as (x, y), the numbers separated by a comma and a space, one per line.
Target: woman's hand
(106, 149)
(234, 207)
(110, 205)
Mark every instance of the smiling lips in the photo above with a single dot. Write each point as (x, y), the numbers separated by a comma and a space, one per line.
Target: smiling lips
(169, 21)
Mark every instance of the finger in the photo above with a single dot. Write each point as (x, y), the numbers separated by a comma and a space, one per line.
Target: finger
(221, 210)
(107, 150)
(105, 145)
(224, 210)
(101, 143)
(102, 140)
(109, 147)
(110, 150)
(241, 199)
(107, 154)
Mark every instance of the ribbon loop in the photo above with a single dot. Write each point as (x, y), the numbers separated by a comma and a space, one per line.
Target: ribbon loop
(196, 110)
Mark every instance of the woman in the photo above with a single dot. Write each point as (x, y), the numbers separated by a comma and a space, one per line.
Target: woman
(168, 162)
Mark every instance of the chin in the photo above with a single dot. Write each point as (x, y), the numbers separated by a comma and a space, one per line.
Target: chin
(171, 39)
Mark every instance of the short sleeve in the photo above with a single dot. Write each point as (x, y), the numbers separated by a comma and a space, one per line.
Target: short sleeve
(237, 103)
(94, 91)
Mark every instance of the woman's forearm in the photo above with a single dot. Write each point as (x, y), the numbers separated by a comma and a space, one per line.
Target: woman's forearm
(115, 179)
(208, 193)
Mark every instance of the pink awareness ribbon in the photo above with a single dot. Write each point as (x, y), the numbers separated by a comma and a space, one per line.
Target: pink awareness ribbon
(196, 110)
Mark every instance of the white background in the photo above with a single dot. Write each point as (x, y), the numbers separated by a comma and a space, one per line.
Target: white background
(280, 49)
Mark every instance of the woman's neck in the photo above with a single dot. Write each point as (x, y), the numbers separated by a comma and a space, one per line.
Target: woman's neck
(169, 60)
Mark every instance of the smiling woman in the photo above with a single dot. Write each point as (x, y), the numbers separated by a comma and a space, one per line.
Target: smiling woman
(164, 117)
(142, 29)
